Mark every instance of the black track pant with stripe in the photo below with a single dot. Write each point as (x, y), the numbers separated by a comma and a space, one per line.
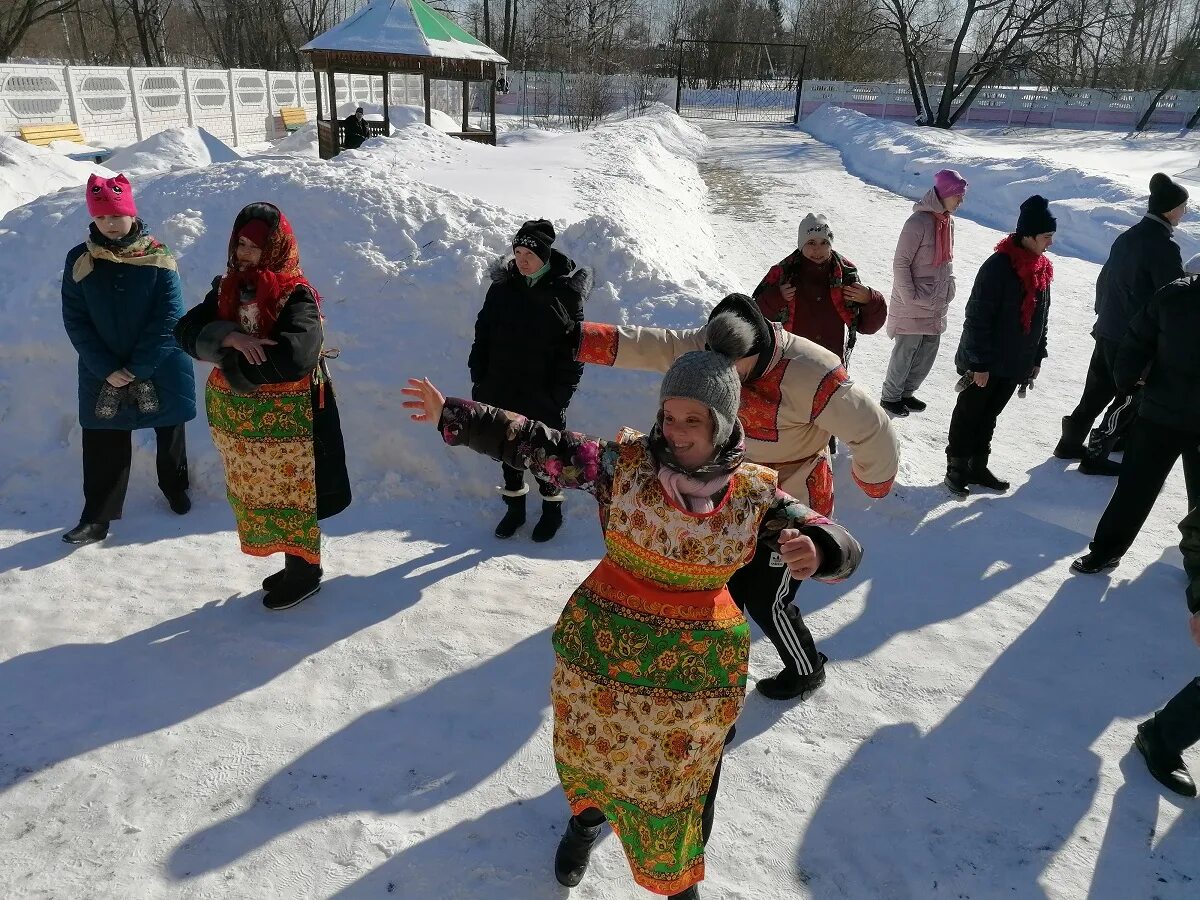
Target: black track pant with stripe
(1100, 390)
(764, 590)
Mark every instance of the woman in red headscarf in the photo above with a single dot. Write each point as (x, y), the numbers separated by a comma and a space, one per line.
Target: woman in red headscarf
(270, 402)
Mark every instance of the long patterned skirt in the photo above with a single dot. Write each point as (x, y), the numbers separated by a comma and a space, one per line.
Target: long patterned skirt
(266, 444)
(647, 684)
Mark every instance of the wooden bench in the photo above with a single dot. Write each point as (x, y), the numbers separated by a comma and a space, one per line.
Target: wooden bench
(293, 118)
(44, 135)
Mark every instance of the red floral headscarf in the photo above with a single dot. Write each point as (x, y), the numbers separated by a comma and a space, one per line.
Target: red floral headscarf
(277, 274)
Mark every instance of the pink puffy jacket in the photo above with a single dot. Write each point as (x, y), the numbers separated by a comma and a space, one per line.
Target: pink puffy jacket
(921, 291)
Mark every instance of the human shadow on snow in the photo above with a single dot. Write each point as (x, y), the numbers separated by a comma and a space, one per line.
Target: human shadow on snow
(67, 700)
(980, 804)
(410, 755)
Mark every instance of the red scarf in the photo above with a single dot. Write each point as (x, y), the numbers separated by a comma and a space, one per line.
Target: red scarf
(1035, 271)
(273, 279)
(943, 239)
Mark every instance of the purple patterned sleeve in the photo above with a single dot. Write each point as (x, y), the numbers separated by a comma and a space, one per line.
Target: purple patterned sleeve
(565, 459)
(840, 552)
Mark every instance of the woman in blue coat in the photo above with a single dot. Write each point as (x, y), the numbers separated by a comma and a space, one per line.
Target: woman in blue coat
(121, 299)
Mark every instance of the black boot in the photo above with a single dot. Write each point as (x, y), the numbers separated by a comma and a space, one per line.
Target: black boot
(514, 518)
(574, 851)
(1092, 564)
(1164, 764)
(956, 476)
(1099, 464)
(790, 684)
(551, 520)
(692, 893)
(86, 533)
(301, 579)
(979, 473)
(179, 502)
(1070, 445)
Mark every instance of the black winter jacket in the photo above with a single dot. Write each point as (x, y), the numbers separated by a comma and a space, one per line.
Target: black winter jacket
(297, 352)
(1165, 336)
(1143, 259)
(993, 339)
(523, 357)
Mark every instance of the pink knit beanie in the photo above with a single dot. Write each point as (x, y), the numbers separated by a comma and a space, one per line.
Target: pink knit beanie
(110, 197)
(949, 184)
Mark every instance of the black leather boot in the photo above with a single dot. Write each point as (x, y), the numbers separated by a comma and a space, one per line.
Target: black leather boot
(574, 851)
(551, 520)
(956, 475)
(86, 533)
(514, 518)
(1070, 445)
(979, 473)
(1165, 765)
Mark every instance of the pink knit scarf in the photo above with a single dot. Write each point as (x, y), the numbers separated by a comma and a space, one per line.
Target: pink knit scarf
(943, 239)
(693, 494)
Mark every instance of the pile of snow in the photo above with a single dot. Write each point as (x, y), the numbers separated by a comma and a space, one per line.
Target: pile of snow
(1092, 206)
(401, 115)
(28, 172)
(398, 240)
(301, 142)
(176, 148)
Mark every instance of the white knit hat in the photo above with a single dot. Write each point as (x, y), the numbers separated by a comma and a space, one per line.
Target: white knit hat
(814, 225)
(1192, 266)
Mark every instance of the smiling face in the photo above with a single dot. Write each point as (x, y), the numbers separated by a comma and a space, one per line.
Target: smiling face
(817, 250)
(1038, 243)
(248, 254)
(114, 227)
(688, 428)
(528, 262)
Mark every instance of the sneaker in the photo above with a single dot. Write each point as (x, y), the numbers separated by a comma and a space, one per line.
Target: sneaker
(1091, 564)
(293, 589)
(788, 684)
(86, 533)
(914, 404)
(1167, 768)
(895, 407)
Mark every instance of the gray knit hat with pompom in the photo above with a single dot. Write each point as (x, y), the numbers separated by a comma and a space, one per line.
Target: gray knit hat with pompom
(709, 376)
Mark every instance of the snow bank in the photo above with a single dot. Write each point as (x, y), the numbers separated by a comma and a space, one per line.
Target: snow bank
(175, 148)
(1092, 207)
(27, 172)
(398, 239)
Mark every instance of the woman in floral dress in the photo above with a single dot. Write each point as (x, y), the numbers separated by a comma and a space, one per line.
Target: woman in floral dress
(271, 406)
(651, 650)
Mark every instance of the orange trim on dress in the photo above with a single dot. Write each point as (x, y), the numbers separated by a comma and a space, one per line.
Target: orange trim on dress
(877, 490)
(829, 385)
(598, 344)
(761, 399)
(618, 585)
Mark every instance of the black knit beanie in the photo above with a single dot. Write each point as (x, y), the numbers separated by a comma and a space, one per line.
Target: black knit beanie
(745, 308)
(1035, 217)
(1165, 194)
(537, 236)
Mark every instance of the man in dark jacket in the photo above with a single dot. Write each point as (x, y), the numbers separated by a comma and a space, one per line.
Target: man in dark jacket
(523, 357)
(1003, 343)
(1142, 260)
(1163, 336)
(356, 130)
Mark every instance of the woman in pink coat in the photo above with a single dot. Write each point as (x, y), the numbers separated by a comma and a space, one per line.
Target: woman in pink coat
(922, 288)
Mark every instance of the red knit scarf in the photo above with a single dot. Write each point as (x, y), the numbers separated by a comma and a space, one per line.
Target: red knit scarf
(1035, 271)
(277, 274)
(943, 239)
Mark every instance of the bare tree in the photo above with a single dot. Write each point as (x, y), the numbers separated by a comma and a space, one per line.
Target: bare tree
(1184, 56)
(18, 16)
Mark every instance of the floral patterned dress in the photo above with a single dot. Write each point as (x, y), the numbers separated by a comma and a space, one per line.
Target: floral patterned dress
(651, 650)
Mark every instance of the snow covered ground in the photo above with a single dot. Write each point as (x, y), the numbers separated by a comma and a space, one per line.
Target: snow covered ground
(166, 736)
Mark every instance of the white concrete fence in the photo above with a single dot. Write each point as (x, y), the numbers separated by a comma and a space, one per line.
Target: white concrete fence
(118, 106)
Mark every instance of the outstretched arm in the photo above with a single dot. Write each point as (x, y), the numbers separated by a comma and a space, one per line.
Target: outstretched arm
(634, 347)
(565, 459)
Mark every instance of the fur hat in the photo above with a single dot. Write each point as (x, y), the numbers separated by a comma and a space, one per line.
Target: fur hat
(537, 236)
(1035, 218)
(814, 225)
(709, 376)
(110, 197)
(1165, 194)
(949, 183)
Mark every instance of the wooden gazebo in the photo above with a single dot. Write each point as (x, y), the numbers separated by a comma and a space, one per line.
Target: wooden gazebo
(400, 37)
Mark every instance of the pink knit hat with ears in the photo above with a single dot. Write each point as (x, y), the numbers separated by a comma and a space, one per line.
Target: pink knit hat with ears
(949, 184)
(110, 197)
